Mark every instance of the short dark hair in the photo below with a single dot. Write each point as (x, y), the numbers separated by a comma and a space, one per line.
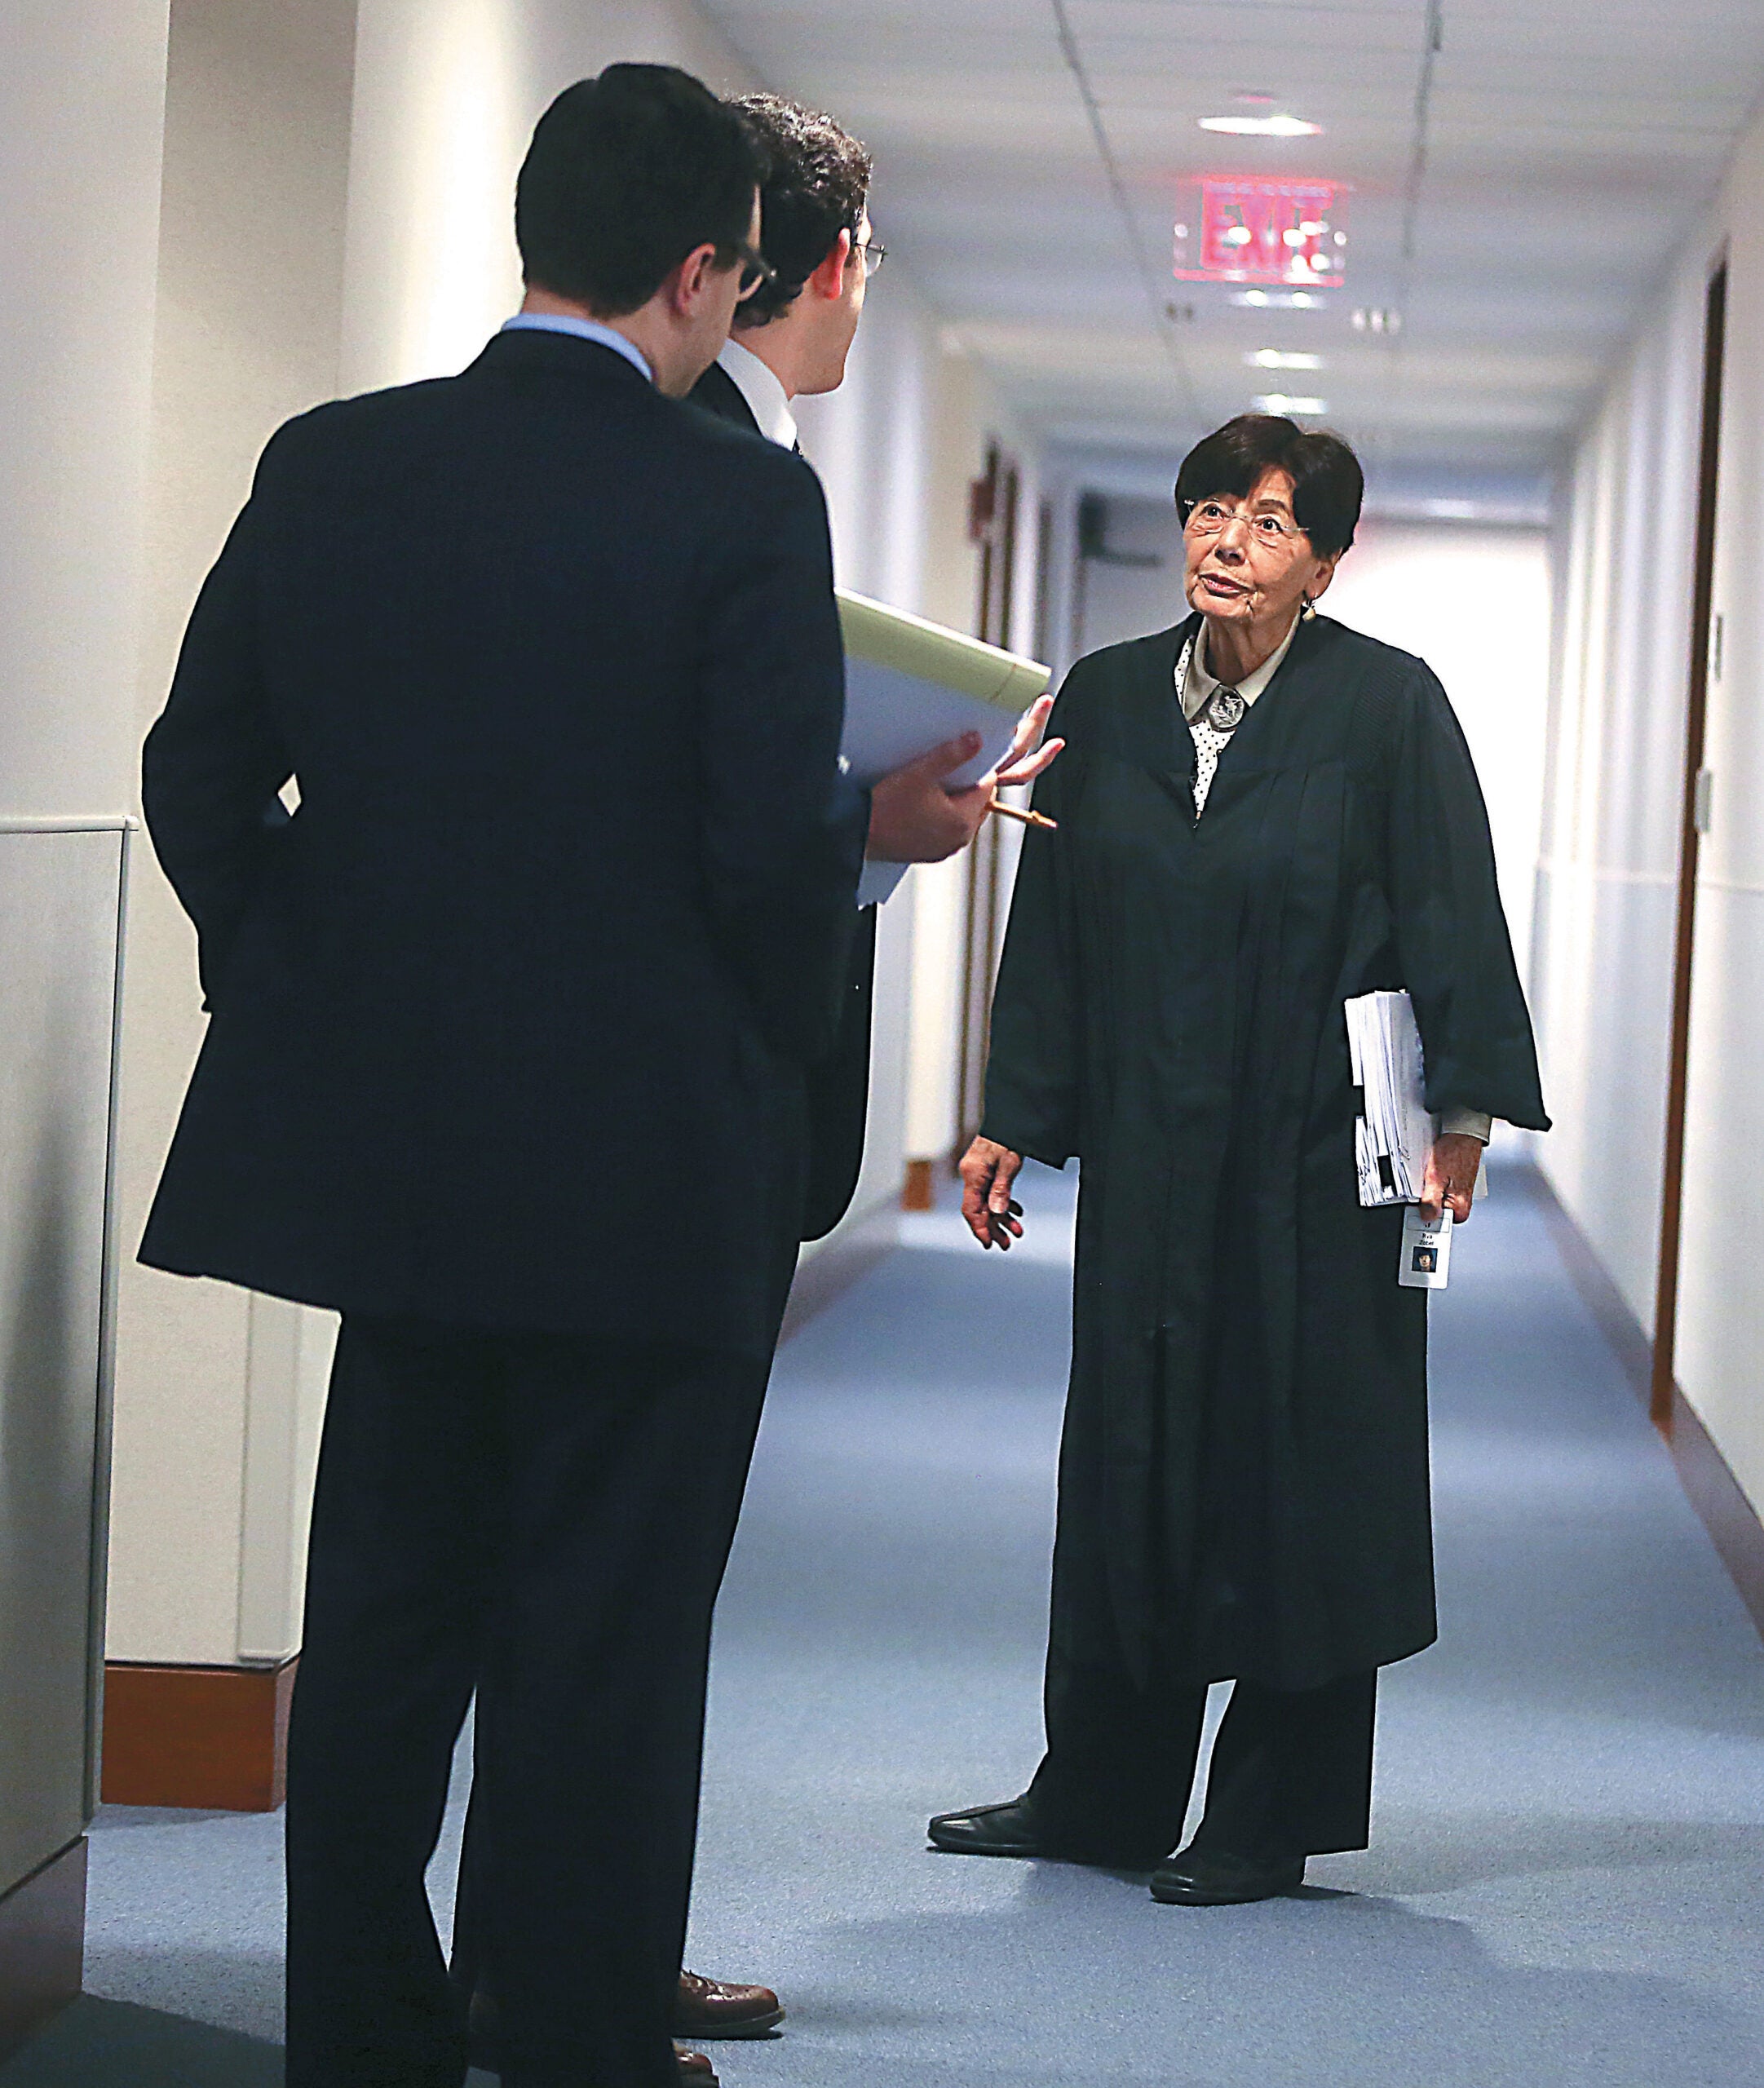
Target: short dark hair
(816, 187)
(1327, 484)
(627, 173)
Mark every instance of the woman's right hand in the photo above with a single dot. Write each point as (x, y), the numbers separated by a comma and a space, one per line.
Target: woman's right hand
(988, 1171)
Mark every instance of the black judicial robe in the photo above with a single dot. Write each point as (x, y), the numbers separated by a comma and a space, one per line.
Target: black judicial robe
(1246, 1432)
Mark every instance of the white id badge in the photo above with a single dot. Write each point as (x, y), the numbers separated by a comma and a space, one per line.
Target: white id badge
(1427, 1255)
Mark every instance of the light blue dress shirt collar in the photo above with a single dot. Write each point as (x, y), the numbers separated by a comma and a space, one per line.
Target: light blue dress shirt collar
(586, 330)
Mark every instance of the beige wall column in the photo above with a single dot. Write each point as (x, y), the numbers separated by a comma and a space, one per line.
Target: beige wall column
(81, 94)
(218, 1392)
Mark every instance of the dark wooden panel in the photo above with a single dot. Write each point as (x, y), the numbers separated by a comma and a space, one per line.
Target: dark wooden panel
(42, 1945)
(212, 1738)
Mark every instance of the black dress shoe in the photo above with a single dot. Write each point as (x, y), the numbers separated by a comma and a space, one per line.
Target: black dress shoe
(1012, 1829)
(1198, 1877)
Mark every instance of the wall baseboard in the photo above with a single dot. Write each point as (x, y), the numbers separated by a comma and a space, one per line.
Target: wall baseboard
(1717, 1496)
(42, 1946)
(210, 1738)
(1732, 1521)
(921, 1190)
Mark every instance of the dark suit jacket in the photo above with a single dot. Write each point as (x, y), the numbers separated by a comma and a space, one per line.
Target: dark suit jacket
(509, 1020)
(838, 1085)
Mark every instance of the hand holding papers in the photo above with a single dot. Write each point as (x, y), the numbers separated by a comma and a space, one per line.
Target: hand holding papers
(911, 684)
(1395, 1133)
(930, 711)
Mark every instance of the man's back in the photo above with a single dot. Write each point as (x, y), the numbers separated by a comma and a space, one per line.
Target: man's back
(568, 894)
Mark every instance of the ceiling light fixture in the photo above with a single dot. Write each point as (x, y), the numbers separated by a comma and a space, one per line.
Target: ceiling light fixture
(1279, 300)
(1262, 126)
(1283, 359)
(1279, 402)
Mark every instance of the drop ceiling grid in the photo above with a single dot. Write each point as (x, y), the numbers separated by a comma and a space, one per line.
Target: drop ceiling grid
(1570, 146)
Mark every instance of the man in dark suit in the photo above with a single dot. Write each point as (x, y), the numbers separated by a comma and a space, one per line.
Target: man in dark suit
(793, 335)
(792, 339)
(801, 322)
(505, 1062)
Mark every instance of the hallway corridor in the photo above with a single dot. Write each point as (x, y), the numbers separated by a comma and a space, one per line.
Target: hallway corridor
(1567, 1882)
(1566, 1887)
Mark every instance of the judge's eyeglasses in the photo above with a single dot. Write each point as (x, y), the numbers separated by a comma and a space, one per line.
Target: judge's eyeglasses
(1213, 518)
(870, 256)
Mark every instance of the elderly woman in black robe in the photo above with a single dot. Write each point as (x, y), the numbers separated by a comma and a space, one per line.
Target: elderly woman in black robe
(1260, 815)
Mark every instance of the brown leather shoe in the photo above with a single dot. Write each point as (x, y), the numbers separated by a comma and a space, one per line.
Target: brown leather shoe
(696, 2069)
(712, 2008)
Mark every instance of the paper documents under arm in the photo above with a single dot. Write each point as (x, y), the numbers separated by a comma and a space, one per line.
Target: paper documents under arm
(1394, 1133)
(910, 684)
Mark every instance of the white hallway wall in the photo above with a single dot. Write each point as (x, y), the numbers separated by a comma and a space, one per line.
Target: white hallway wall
(79, 98)
(388, 201)
(1607, 881)
(897, 447)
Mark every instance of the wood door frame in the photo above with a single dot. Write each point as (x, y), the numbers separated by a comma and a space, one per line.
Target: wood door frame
(1664, 1386)
(994, 500)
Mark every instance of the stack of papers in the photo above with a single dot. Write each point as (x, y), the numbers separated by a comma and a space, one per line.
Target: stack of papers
(1393, 1134)
(910, 684)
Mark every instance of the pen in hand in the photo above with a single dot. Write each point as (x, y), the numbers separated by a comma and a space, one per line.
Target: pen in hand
(1027, 818)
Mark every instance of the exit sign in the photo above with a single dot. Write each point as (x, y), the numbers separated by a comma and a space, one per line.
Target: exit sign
(1292, 233)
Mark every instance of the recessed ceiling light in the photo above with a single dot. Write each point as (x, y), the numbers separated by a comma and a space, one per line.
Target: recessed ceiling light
(1283, 359)
(1279, 300)
(1262, 126)
(1279, 402)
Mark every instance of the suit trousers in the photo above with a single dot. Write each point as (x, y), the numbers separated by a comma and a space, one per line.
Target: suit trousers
(470, 1967)
(544, 1519)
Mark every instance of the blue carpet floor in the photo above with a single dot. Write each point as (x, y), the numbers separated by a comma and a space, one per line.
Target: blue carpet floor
(1566, 1886)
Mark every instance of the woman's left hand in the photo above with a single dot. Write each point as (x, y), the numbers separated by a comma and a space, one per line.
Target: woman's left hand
(1026, 757)
(1451, 1176)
